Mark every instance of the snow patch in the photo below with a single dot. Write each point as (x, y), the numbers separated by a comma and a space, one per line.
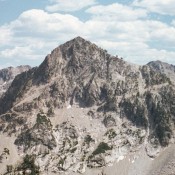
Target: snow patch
(68, 107)
(120, 158)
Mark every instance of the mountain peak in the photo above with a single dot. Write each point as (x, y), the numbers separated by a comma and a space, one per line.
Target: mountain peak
(77, 42)
(163, 67)
(85, 109)
(79, 38)
(72, 56)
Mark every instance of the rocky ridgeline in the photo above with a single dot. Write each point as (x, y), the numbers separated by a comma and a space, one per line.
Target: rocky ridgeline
(164, 68)
(83, 108)
(8, 74)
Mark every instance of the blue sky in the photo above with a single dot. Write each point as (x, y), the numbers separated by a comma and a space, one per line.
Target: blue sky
(137, 30)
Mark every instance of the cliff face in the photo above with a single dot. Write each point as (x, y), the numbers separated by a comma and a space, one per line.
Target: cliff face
(83, 108)
(164, 68)
(8, 74)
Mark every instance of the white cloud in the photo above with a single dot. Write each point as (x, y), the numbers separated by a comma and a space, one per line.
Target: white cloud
(116, 12)
(69, 5)
(16, 52)
(128, 31)
(133, 36)
(128, 23)
(165, 7)
(35, 33)
(5, 35)
(122, 30)
(41, 22)
(132, 31)
(137, 52)
(173, 23)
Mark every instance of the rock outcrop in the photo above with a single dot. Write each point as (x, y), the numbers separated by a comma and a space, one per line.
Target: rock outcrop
(7, 75)
(164, 68)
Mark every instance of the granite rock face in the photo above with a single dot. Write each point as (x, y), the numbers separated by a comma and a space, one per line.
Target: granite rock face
(164, 68)
(83, 108)
(7, 75)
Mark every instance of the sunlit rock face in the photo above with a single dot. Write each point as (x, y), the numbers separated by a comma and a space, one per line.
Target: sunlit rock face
(7, 75)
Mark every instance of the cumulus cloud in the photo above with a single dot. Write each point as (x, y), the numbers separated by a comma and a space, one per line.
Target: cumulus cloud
(134, 36)
(6, 34)
(165, 7)
(137, 52)
(16, 52)
(35, 32)
(68, 5)
(116, 11)
(40, 22)
(131, 29)
(122, 30)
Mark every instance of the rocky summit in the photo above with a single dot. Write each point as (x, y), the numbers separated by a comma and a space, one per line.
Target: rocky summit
(83, 111)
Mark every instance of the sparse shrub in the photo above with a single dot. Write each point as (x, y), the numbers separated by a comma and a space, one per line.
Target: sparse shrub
(50, 112)
(111, 133)
(6, 150)
(88, 139)
(29, 164)
(102, 148)
(9, 168)
(42, 119)
(135, 112)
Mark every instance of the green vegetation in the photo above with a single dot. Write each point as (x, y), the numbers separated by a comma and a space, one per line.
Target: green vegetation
(88, 139)
(161, 117)
(61, 161)
(50, 112)
(111, 134)
(41, 111)
(29, 164)
(83, 157)
(6, 150)
(154, 78)
(135, 112)
(42, 119)
(102, 148)
(9, 168)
